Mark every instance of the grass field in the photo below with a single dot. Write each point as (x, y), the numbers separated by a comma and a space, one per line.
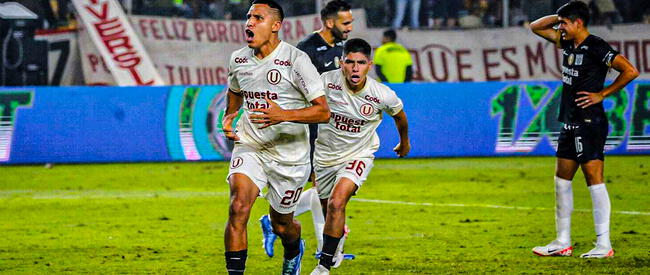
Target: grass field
(469, 215)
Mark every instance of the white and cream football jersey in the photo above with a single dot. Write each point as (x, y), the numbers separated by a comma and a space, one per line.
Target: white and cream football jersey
(287, 77)
(350, 132)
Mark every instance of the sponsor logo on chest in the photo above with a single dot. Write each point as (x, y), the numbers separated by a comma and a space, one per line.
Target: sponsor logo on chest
(286, 63)
(333, 86)
(372, 99)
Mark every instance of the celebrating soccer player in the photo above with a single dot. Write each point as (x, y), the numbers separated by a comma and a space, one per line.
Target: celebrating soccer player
(346, 145)
(279, 91)
(325, 49)
(586, 61)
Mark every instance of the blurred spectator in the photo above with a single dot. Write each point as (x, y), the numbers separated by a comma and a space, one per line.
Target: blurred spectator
(606, 13)
(517, 17)
(446, 12)
(393, 61)
(474, 13)
(414, 16)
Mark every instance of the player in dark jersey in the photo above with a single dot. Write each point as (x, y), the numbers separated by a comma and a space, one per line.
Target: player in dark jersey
(325, 49)
(586, 60)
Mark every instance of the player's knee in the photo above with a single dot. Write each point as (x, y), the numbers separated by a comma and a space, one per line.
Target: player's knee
(335, 205)
(239, 208)
(281, 227)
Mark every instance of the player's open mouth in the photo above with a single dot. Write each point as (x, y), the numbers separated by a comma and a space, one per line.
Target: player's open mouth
(355, 78)
(249, 36)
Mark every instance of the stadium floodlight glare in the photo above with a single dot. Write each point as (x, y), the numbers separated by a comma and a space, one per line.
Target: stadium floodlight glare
(14, 10)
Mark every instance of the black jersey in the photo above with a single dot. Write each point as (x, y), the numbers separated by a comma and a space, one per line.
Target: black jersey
(584, 69)
(324, 57)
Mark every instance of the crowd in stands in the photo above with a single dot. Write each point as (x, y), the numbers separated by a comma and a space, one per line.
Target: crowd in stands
(412, 14)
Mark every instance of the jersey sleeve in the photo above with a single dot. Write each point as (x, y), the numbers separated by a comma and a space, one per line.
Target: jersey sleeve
(603, 52)
(233, 82)
(392, 103)
(306, 78)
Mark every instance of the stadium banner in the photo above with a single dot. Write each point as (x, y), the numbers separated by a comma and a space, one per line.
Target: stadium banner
(511, 54)
(179, 123)
(196, 52)
(113, 37)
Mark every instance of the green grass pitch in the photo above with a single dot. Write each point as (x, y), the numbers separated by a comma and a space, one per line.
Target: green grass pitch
(412, 216)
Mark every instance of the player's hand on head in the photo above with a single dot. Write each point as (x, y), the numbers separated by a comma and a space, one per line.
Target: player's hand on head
(587, 99)
(402, 149)
(228, 131)
(267, 116)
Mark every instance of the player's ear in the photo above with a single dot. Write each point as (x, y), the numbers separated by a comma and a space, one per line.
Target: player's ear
(277, 25)
(329, 23)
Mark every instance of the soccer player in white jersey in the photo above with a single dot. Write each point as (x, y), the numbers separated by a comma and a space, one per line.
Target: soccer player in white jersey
(279, 90)
(346, 144)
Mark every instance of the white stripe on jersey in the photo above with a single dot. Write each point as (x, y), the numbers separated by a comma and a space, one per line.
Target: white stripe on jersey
(287, 77)
(350, 132)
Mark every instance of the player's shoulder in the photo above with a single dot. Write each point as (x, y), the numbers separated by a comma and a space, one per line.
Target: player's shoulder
(241, 55)
(378, 88)
(294, 54)
(332, 75)
(596, 41)
(308, 42)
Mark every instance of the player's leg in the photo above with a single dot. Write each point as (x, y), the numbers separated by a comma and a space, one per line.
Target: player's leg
(565, 168)
(318, 217)
(593, 171)
(335, 220)
(592, 137)
(243, 193)
(288, 229)
(286, 183)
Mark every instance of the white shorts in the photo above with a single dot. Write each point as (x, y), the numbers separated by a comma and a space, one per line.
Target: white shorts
(356, 170)
(285, 182)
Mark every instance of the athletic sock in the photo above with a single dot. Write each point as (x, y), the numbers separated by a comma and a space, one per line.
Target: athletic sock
(563, 209)
(304, 203)
(236, 262)
(292, 249)
(318, 219)
(329, 248)
(602, 210)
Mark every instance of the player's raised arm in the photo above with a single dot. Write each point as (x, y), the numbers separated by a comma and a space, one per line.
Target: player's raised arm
(404, 146)
(543, 27)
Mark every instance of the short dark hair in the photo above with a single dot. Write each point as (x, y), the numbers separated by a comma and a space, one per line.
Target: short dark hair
(272, 4)
(574, 10)
(332, 9)
(357, 45)
(390, 34)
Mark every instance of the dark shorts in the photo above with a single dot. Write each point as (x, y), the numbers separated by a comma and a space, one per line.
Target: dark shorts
(583, 142)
